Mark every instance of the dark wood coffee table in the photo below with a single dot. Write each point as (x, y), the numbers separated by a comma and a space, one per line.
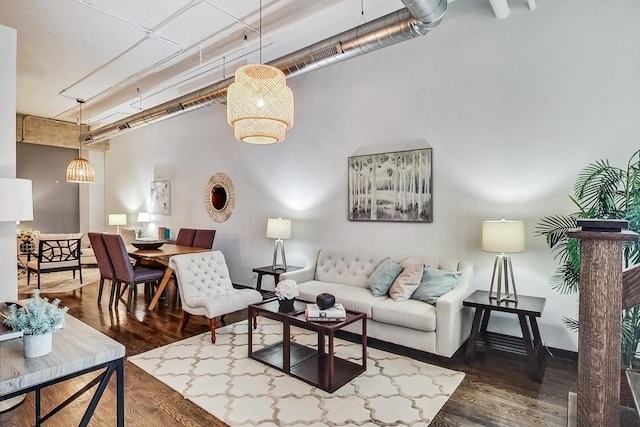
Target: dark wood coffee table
(319, 367)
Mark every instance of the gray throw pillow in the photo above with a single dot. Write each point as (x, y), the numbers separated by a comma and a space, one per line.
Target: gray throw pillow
(382, 277)
(435, 283)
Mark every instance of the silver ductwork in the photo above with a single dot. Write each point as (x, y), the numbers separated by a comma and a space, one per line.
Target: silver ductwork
(416, 20)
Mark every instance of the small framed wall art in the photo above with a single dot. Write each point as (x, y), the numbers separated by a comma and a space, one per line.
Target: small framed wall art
(161, 198)
(395, 186)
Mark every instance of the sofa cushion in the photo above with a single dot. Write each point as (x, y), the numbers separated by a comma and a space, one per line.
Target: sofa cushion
(410, 314)
(383, 276)
(435, 283)
(408, 280)
(338, 267)
(352, 297)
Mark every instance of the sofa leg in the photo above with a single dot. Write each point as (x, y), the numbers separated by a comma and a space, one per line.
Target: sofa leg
(185, 320)
(212, 326)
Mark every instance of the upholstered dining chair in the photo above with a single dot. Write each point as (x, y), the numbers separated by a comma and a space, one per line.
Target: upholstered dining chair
(125, 272)
(204, 238)
(185, 236)
(206, 289)
(104, 264)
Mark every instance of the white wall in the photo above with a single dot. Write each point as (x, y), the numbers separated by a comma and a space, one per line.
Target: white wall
(513, 109)
(8, 250)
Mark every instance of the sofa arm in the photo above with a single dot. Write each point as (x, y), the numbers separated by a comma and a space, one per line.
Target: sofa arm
(453, 319)
(304, 275)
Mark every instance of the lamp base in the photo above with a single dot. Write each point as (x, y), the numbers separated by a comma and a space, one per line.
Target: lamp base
(503, 272)
(279, 245)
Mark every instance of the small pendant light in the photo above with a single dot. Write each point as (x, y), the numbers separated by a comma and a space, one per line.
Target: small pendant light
(80, 170)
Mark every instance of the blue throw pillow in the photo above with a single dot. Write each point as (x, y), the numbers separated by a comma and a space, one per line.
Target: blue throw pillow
(382, 277)
(435, 283)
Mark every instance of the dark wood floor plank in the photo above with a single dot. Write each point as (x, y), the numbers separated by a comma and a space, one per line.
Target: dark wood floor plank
(495, 392)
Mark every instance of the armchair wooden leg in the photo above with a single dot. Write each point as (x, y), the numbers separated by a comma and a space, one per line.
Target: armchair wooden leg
(185, 320)
(212, 326)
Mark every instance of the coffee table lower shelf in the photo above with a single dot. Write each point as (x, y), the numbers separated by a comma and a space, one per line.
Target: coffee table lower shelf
(310, 366)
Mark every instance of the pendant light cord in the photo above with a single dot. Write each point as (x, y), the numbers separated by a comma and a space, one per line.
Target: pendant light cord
(80, 102)
(260, 34)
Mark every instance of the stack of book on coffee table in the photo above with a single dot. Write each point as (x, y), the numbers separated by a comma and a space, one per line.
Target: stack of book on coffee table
(337, 313)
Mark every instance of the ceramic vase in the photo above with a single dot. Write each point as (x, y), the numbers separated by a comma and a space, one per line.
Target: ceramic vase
(28, 246)
(325, 301)
(286, 305)
(37, 345)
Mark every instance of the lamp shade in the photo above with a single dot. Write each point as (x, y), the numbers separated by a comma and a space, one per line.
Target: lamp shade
(278, 228)
(117, 219)
(80, 171)
(144, 217)
(259, 104)
(503, 236)
(17, 199)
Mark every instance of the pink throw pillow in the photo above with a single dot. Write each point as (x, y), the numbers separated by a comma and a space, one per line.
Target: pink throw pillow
(408, 280)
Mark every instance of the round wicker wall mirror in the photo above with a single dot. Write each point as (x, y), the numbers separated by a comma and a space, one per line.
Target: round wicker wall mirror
(219, 198)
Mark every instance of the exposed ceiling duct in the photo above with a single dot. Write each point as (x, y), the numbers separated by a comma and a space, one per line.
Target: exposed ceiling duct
(416, 20)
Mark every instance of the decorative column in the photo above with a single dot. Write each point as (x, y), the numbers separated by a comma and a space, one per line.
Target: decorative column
(598, 400)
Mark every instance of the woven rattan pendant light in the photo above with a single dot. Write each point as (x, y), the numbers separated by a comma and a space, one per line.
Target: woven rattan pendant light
(80, 170)
(259, 102)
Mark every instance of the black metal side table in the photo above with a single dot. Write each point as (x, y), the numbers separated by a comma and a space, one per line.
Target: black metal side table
(270, 271)
(530, 345)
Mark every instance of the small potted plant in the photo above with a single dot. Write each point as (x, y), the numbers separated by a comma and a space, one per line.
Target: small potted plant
(36, 320)
(286, 291)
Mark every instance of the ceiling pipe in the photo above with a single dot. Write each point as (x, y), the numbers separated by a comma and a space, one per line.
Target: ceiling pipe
(417, 19)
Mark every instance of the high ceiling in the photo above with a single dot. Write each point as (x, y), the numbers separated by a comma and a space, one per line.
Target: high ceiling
(123, 56)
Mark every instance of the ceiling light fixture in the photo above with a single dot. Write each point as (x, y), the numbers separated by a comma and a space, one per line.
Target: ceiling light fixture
(259, 102)
(80, 170)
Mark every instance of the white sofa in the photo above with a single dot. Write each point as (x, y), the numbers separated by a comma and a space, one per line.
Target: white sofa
(439, 329)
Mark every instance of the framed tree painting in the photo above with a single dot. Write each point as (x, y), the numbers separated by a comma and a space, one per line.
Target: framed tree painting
(161, 198)
(396, 186)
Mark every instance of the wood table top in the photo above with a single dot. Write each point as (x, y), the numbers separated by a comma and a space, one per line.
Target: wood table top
(165, 250)
(76, 347)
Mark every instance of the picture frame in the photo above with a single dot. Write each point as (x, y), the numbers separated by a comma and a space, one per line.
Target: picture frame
(160, 198)
(391, 187)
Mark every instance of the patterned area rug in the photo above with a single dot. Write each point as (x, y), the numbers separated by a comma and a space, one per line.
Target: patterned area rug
(58, 282)
(394, 391)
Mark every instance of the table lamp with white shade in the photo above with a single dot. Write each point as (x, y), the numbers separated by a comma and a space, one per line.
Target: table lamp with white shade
(144, 218)
(279, 229)
(118, 220)
(503, 237)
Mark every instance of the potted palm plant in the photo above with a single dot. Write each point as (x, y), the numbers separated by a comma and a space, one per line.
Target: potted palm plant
(601, 190)
(37, 319)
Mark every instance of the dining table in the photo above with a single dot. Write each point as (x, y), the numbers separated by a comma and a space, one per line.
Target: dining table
(161, 255)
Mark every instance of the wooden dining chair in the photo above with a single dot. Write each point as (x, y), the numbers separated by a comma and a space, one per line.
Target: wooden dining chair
(204, 239)
(185, 236)
(104, 264)
(125, 272)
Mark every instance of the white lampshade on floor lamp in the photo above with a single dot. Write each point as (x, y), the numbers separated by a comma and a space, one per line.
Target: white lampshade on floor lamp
(118, 220)
(279, 229)
(503, 237)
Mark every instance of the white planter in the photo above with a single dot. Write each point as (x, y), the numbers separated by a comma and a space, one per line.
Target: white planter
(37, 345)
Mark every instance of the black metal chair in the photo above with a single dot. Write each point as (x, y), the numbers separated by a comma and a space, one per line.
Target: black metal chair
(55, 255)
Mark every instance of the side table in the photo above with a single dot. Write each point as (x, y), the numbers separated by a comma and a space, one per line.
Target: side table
(530, 345)
(270, 271)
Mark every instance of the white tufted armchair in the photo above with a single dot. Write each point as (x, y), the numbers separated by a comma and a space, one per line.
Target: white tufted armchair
(206, 289)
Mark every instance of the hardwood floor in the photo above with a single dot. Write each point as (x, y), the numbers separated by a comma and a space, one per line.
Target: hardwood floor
(495, 392)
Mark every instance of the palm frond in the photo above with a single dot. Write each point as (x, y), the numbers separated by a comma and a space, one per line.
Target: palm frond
(597, 185)
(554, 228)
